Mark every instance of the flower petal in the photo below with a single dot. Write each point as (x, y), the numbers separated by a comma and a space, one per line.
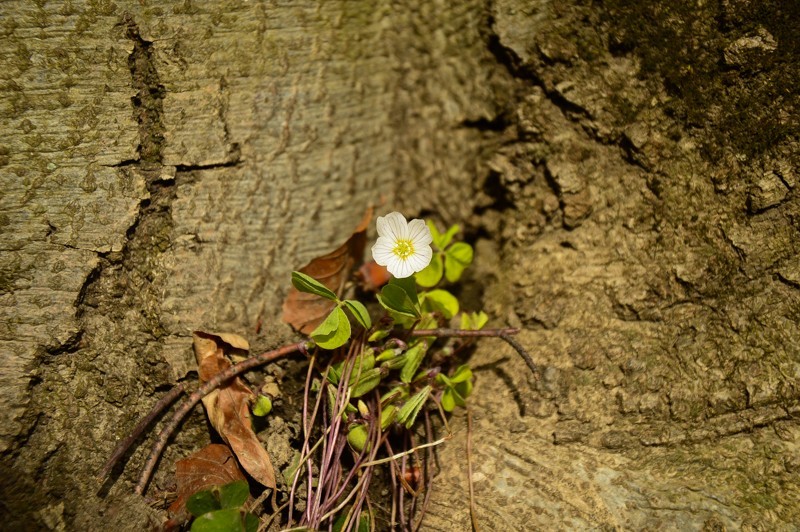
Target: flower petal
(394, 225)
(382, 225)
(403, 269)
(419, 233)
(394, 265)
(382, 250)
(421, 258)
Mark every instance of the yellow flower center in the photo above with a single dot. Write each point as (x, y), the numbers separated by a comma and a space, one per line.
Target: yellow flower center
(403, 249)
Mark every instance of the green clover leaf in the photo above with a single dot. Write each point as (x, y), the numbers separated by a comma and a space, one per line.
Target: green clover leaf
(334, 331)
(306, 283)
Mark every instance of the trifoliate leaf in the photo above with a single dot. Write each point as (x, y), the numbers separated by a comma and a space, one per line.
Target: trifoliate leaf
(359, 312)
(234, 495)
(446, 238)
(440, 240)
(251, 523)
(479, 319)
(329, 325)
(409, 411)
(414, 357)
(456, 259)
(306, 283)
(334, 331)
(263, 406)
(409, 286)
(464, 389)
(441, 301)
(474, 321)
(226, 520)
(335, 373)
(202, 502)
(435, 234)
(394, 298)
(432, 273)
(294, 465)
(448, 402)
(462, 374)
(367, 381)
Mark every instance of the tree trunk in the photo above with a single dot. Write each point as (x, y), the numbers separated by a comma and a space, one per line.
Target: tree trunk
(627, 173)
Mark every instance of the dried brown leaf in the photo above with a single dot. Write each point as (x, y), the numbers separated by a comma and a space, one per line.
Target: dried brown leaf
(213, 465)
(228, 407)
(305, 311)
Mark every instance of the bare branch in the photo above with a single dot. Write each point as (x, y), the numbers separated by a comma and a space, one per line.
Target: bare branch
(211, 385)
(123, 446)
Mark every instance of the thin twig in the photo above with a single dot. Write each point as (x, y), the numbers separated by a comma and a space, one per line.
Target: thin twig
(522, 352)
(458, 333)
(123, 446)
(473, 513)
(211, 385)
(504, 334)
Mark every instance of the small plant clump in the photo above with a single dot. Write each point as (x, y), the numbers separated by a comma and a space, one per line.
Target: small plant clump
(373, 392)
(220, 509)
(374, 397)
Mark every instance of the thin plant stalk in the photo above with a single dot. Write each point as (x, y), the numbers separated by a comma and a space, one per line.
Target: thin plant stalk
(473, 513)
(307, 425)
(427, 478)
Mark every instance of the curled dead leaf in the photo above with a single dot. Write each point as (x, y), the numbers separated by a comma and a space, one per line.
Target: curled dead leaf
(228, 407)
(213, 465)
(305, 311)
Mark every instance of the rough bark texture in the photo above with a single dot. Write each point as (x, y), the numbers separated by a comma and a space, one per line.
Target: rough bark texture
(628, 175)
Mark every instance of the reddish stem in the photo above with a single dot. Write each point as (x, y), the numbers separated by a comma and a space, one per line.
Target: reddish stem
(208, 387)
(123, 446)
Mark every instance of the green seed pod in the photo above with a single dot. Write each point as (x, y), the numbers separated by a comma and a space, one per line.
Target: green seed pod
(357, 437)
(263, 406)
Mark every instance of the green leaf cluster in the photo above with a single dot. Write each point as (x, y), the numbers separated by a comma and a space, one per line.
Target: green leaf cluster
(335, 330)
(474, 321)
(220, 509)
(400, 298)
(450, 259)
(399, 370)
(457, 387)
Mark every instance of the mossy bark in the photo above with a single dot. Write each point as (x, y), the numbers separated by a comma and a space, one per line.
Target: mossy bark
(633, 204)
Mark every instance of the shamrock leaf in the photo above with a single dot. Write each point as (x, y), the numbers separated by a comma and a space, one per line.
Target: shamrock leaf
(334, 331)
(456, 260)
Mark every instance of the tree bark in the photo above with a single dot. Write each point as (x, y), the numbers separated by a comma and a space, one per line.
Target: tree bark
(628, 175)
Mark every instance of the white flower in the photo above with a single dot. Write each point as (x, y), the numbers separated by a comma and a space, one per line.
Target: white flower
(403, 247)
